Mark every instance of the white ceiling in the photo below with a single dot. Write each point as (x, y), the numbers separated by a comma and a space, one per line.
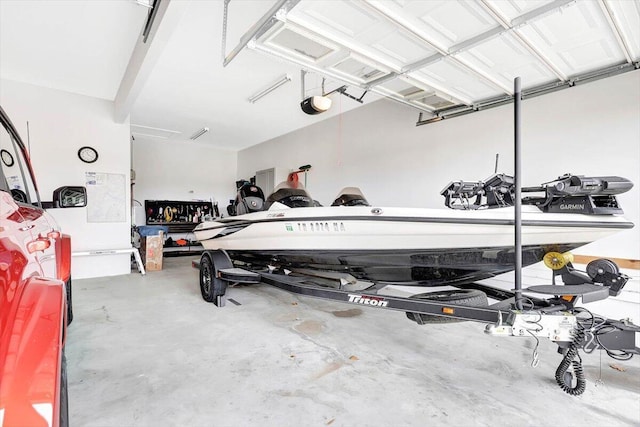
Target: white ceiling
(441, 57)
(190, 89)
(77, 46)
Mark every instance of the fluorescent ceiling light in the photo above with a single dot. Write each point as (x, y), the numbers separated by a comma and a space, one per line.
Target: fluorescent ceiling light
(284, 79)
(155, 128)
(150, 135)
(199, 133)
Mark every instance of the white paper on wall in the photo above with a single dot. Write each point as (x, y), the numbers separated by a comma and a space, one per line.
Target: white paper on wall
(106, 197)
(15, 183)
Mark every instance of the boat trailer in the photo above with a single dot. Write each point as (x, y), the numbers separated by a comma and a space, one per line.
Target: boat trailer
(555, 317)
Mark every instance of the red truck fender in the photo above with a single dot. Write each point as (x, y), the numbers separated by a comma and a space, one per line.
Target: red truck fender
(31, 354)
(63, 257)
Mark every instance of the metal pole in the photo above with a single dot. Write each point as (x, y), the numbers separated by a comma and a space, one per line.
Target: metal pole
(518, 194)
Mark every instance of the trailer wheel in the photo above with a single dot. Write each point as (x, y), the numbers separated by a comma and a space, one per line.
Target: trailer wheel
(211, 286)
(467, 297)
(206, 278)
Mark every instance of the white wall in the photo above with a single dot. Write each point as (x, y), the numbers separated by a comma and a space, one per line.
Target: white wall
(592, 129)
(169, 170)
(59, 124)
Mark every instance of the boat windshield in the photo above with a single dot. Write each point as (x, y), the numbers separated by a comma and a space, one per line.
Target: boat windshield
(350, 196)
(291, 194)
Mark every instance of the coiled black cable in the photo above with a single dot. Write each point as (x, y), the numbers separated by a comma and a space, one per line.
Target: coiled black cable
(597, 326)
(572, 352)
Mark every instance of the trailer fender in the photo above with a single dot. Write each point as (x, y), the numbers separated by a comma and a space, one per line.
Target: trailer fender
(212, 286)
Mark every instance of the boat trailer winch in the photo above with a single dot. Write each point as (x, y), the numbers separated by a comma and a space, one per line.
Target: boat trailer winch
(556, 317)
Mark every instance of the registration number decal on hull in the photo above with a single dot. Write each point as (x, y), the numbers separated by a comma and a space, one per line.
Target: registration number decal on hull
(317, 226)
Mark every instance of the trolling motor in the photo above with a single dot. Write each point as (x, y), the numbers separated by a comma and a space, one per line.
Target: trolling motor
(580, 194)
(567, 194)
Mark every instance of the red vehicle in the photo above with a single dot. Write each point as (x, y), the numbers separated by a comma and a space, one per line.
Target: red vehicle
(35, 292)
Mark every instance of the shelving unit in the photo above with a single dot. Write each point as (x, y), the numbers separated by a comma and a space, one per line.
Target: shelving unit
(182, 217)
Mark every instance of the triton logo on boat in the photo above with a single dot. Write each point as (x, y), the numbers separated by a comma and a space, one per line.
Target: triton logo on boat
(373, 301)
(571, 206)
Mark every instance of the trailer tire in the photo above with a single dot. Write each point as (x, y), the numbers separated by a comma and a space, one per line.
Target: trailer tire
(211, 286)
(466, 297)
(207, 279)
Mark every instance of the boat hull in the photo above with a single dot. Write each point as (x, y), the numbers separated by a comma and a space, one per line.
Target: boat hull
(434, 267)
(412, 246)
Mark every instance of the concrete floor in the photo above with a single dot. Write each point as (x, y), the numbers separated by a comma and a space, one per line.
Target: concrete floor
(148, 351)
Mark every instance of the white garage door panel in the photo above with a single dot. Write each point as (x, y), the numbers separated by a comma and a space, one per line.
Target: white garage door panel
(443, 23)
(506, 58)
(626, 15)
(445, 76)
(511, 9)
(576, 39)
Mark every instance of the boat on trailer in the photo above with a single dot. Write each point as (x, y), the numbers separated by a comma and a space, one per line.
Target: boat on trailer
(571, 211)
(470, 240)
(351, 251)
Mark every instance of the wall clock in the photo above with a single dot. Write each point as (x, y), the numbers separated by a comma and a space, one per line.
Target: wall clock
(7, 158)
(88, 154)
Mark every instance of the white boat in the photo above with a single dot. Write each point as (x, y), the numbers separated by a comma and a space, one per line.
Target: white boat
(470, 241)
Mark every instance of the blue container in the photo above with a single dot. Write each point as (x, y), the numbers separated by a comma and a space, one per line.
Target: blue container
(152, 230)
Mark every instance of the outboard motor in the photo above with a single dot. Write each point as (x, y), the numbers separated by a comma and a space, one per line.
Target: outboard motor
(249, 199)
(350, 196)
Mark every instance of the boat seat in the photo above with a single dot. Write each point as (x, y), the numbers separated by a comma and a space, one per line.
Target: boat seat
(350, 196)
(291, 197)
(249, 199)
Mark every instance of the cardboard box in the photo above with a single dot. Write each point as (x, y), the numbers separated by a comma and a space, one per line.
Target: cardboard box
(151, 251)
